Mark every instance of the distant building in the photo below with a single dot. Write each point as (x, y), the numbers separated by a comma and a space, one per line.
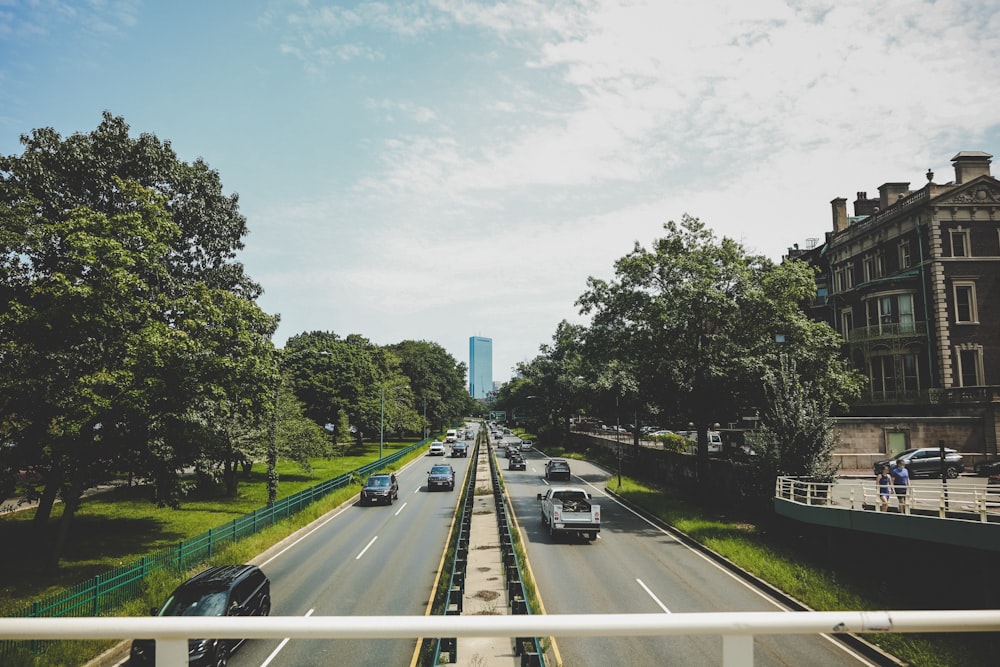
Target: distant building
(480, 367)
(912, 283)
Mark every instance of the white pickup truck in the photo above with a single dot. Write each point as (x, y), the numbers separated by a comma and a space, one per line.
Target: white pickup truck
(567, 509)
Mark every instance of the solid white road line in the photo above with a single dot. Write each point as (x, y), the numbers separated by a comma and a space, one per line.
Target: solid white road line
(655, 599)
(368, 546)
(284, 641)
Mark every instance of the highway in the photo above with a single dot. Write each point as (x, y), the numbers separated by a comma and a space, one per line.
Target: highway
(636, 567)
(379, 560)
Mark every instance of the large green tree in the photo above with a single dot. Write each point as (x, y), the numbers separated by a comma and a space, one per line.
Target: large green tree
(126, 323)
(436, 380)
(693, 323)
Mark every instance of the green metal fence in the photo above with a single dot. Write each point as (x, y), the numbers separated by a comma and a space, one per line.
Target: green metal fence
(106, 592)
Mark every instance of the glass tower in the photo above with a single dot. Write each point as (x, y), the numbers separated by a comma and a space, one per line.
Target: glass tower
(480, 366)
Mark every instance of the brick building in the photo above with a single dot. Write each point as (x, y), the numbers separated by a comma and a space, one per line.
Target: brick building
(912, 283)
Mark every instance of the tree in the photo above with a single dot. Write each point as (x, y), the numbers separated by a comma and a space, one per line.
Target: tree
(121, 287)
(435, 375)
(693, 323)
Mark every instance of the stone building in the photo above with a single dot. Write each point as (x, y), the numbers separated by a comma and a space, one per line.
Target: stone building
(912, 283)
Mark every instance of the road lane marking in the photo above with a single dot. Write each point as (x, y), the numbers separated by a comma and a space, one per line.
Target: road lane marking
(358, 557)
(284, 641)
(400, 509)
(655, 599)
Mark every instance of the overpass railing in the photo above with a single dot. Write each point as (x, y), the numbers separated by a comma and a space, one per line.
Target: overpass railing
(736, 628)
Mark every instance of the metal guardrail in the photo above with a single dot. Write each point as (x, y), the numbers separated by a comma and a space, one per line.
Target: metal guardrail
(527, 647)
(107, 591)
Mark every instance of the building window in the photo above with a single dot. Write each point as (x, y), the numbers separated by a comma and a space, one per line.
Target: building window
(846, 322)
(891, 313)
(904, 255)
(965, 303)
(843, 277)
(970, 365)
(960, 243)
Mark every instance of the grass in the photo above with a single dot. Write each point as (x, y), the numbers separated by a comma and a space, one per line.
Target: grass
(120, 525)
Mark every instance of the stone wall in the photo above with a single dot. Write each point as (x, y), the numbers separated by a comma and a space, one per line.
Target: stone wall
(864, 440)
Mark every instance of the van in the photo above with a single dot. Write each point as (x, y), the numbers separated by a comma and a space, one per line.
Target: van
(451, 435)
(714, 440)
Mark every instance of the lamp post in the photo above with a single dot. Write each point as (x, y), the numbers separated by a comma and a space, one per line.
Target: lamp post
(425, 397)
(381, 426)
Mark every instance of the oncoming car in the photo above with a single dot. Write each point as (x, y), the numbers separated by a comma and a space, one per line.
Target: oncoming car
(227, 590)
(436, 449)
(380, 489)
(441, 476)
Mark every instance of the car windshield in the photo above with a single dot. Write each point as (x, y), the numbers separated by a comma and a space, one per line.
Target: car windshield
(195, 603)
(560, 465)
(440, 470)
(378, 481)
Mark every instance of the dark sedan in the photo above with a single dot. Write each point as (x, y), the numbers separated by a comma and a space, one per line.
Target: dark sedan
(926, 461)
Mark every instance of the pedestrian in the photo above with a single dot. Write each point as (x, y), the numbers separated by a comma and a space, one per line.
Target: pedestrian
(900, 483)
(884, 481)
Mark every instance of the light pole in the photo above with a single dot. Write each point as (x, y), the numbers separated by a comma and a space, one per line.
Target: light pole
(381, 425)
(425, 413)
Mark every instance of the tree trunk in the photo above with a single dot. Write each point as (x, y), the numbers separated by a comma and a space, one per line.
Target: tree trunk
(72, 495)
(47, 500)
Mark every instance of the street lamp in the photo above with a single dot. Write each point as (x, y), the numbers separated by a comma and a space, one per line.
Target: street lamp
(381, 426)
(425, 414)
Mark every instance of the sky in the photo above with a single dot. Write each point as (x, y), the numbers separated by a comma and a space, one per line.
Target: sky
(440, 169)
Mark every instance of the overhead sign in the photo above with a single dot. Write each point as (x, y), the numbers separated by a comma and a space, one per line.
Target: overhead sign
(498, 415)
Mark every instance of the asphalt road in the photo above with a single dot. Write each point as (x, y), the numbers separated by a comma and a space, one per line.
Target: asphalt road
(360, 561)
(636, 567)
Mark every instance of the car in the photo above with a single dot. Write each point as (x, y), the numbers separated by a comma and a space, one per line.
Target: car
(926, 461)
(459, 449)
(557, 469)
(436, 448)
(381, 488)
(441, 476)
(526, 445)
(451, 435)
(987, 468)
(993, 484)
(516, 462)
(470, 434)
(224, 590)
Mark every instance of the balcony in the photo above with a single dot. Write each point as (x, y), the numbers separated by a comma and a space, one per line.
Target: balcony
(888, 331)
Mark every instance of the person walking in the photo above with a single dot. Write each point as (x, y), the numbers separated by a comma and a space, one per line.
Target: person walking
(901, 483)
(884, 481)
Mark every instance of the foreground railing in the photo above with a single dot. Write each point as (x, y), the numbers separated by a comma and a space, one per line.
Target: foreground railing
(736, 628)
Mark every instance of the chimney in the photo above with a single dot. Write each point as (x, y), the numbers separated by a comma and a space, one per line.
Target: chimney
(889, 193)
(839, 214)
(864, 206)
(970, 164)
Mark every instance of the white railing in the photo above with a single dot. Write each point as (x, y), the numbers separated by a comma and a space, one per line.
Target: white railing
(940, 498)
(736, 628)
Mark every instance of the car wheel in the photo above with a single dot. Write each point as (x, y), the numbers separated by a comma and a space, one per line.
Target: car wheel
(952, 473)
(221, 655)
(265, 607)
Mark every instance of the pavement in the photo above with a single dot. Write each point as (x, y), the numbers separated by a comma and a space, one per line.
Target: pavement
(485, 583)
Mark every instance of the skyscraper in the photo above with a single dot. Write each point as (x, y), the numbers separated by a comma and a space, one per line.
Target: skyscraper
(480, 366)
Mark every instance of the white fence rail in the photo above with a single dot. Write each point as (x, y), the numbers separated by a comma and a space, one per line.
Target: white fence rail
(736, 628)
(925, 496)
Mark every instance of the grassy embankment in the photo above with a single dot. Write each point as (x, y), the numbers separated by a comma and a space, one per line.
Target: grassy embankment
(120, 525)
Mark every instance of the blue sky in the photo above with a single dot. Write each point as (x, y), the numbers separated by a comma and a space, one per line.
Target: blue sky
(438, 169)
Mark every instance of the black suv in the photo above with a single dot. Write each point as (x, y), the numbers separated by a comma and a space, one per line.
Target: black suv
(441, 476)
(380, 488)
(227, 590)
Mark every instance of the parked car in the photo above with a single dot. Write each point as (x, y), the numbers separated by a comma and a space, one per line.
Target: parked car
(926, 461)
(557, 469)
(993, 484)
(436, 448)
(987, 468)
(459, 448)
(441, 476)
(516, 462)
(381, 488)
(226, 590)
